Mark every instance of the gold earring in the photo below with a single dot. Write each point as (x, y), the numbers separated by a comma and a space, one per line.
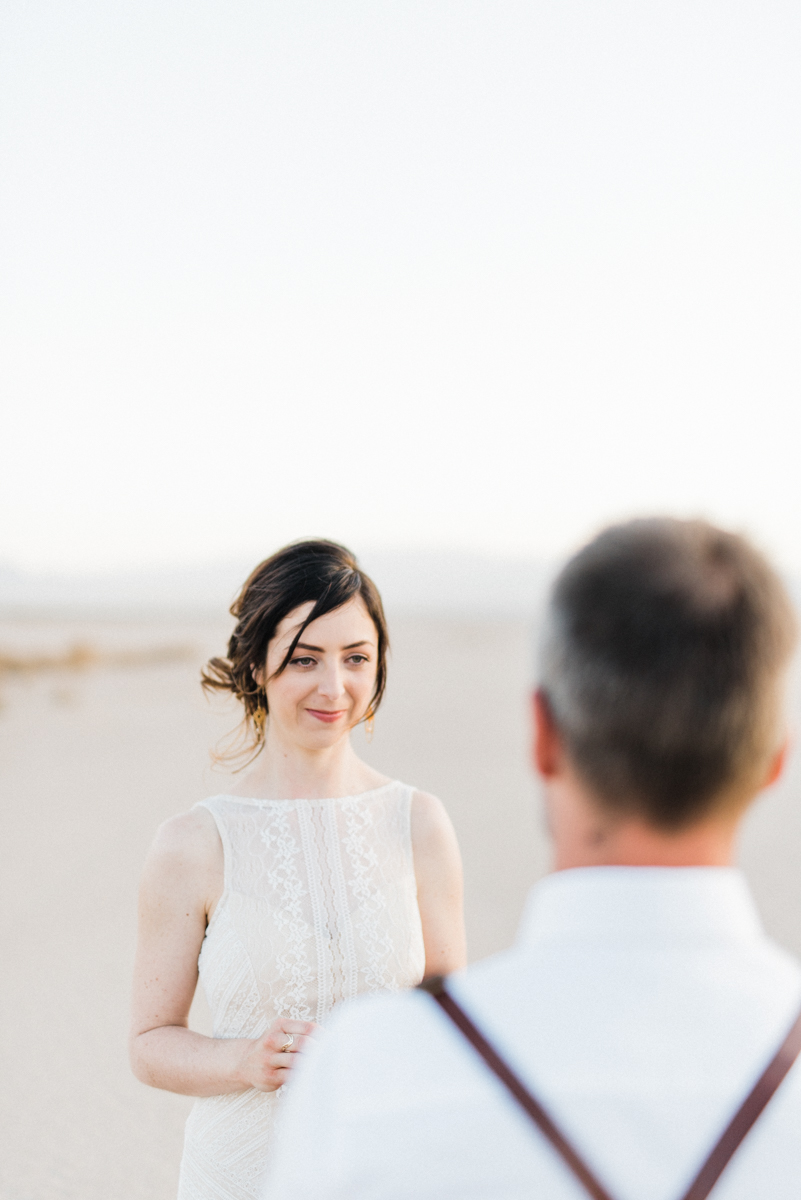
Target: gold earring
(259, 720)
(369, 724)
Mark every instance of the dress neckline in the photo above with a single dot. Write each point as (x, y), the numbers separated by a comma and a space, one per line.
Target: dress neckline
(261, 803)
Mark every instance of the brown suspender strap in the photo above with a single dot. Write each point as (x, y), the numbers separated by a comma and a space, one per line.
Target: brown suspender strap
(746, 1115)
(436, 986)
(713, 1168)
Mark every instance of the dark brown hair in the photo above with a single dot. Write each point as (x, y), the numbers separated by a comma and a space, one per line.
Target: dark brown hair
(319, 571)
(661, 662)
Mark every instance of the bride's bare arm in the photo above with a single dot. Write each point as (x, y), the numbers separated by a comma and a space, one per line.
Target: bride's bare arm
(438, 870)
(181, 884)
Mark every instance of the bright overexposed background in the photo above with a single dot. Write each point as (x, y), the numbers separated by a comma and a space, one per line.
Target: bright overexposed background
(473, 274)
(453, 281)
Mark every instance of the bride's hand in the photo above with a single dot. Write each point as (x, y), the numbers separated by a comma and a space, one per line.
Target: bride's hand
(267, 1061)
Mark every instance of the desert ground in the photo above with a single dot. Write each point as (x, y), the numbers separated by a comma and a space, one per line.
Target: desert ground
(104, 733)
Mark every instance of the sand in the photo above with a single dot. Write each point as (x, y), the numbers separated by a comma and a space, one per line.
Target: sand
(96, 751)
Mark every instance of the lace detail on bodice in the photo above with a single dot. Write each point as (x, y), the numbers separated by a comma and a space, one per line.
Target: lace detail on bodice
(377, 970)
(319, 904)
(287, 892)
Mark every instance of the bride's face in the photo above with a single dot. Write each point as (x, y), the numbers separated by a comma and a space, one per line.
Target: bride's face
(326, 687)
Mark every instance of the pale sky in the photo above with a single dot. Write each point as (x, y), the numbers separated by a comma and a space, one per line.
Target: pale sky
(476, 274)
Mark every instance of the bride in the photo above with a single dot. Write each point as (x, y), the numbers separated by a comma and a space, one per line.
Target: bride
(313, 879)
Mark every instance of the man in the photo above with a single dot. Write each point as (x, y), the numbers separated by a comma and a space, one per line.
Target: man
(642, 1000)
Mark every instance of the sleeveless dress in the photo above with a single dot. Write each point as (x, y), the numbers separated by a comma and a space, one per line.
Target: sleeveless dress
(319, 903)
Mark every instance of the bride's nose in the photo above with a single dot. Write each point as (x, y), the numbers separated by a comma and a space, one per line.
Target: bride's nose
(331, 685)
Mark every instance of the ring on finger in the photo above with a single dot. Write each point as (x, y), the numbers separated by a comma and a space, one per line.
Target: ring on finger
(288, 1044)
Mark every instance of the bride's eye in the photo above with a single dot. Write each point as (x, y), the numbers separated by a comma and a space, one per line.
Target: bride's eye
(303, 661)
(358, 659)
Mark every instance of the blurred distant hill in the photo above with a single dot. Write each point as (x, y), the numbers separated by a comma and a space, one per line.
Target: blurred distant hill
(410, 581)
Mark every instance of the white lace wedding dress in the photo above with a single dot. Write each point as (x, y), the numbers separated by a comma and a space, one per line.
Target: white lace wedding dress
(319, 903)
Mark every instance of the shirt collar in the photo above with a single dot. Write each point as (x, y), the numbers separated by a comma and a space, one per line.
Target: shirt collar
(633, 902)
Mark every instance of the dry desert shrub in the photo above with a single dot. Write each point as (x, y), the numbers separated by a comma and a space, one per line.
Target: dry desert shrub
(81, 657)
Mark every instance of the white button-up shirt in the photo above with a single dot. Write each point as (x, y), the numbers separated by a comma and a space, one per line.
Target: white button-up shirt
(640, 1004)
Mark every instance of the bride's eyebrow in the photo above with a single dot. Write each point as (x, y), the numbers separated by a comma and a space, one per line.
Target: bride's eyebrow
(319, 649)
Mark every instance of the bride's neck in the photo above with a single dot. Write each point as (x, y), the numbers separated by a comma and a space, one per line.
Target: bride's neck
(291, 772)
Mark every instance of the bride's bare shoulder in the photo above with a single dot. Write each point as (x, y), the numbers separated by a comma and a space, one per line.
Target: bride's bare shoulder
(432, 829)
(187, 842)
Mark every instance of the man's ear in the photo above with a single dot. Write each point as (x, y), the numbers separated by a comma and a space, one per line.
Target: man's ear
(546, 747)
(777, 763)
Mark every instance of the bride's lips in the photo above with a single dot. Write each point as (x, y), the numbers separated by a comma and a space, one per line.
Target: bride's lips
(327, 717)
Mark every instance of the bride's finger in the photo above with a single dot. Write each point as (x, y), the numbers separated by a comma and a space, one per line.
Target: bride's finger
(288, 1035)
(278, 1041)
(282, 1061)
(298, 1028)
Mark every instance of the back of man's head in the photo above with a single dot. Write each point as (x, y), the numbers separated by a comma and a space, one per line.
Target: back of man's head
(662, 667)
